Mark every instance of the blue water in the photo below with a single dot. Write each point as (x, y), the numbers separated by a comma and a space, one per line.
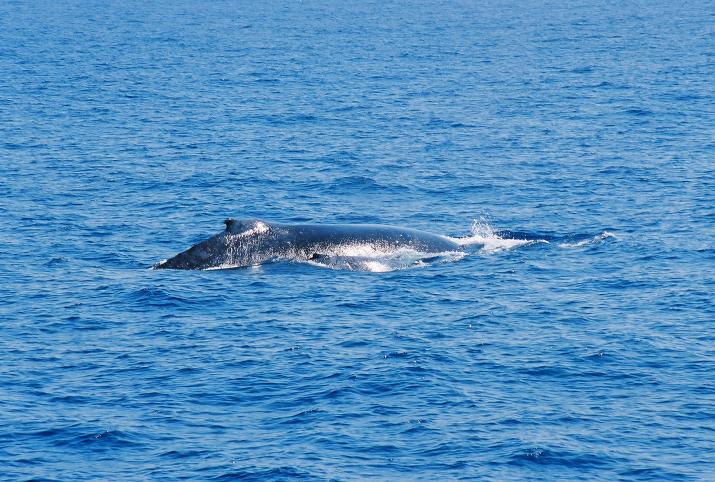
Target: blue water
(130, 130)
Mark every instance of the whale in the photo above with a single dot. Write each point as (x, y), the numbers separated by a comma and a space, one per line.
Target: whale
(253, 242)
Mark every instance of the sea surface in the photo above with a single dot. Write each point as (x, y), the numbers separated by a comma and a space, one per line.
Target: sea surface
(576, 139)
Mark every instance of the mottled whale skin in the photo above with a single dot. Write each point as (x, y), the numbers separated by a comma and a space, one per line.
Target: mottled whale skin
(253, 242)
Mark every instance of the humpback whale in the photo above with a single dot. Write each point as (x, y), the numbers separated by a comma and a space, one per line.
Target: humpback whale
(253, 242)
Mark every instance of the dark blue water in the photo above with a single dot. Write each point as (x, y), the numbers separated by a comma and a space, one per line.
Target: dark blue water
(130, 130)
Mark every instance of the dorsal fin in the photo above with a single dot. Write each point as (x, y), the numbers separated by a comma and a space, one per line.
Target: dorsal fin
(245, 227)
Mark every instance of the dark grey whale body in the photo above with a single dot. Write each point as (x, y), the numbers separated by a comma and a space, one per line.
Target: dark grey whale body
(253, 242)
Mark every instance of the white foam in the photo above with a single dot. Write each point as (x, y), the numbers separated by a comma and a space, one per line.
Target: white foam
(594, 240)
(377, 267)
(221, 266)
(483, 234)
(254, 267)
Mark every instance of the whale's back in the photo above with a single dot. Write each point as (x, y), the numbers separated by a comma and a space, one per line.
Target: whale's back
(253, 242)
(379, 237)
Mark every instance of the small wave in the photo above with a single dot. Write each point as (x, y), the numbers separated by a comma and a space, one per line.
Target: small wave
(256, 473)
(359, 183)
(80, 436)
(57, 261)
(155, 297)
(554, 456)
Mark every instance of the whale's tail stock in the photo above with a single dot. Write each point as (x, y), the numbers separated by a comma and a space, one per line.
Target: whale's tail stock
(486, 239)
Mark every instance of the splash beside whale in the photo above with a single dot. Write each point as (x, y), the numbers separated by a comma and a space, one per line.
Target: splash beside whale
(350, 246)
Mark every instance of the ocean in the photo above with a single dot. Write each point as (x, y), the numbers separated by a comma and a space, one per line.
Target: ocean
(575, 139)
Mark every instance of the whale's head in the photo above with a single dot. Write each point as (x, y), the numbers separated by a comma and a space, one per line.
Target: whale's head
(242, 243)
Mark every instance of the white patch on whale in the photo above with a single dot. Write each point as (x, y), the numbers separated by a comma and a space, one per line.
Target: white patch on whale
(367, 258)
(259, 227)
